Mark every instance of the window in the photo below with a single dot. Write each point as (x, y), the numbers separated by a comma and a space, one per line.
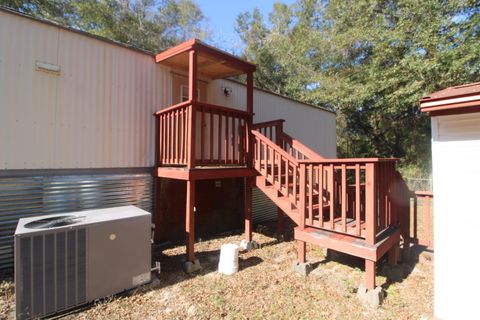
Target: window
(184, 93)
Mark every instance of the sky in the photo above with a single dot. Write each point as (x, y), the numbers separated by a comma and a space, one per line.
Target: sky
(221, 15)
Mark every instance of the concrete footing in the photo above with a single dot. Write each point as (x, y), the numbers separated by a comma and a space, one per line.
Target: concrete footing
(248, 245)
(190, 267)
(373, 298)
(302, 268)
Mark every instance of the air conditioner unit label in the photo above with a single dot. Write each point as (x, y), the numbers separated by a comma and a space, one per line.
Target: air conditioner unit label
(141, 279)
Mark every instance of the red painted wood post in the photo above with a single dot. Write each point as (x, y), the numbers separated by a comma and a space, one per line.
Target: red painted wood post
(428, 232)
(371, 221)
(157, 140)
(331, 190)
(190, 220)
(248, 208)
(344, 197)
(302, 192)
(302, 251)
(370, 274)
(280, 221)
(393, 254)
(310, 194)
(249, 122)
(278, 134)
(370, 203)
(357, 200)
(192, 96)
(320, 194)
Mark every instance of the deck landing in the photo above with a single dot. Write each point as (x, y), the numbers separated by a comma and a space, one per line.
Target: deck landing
(204, 173)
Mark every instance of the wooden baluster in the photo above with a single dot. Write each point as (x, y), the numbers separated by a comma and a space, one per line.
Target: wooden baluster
(272, 165)
(320, 195)
(202, 133)
(302, 192)
(357, 200)
(232, 147)
(381, 194)
(295, 185)
(157, 140)
(227, 137)
(310, 194)
(220, 120)
(177, 137)
(343, 189)
(279, 172)
(169, 142)
(185, 138)
(211, 135)
(191, 137)
(258, 156)
(331, 190)
(287, 177)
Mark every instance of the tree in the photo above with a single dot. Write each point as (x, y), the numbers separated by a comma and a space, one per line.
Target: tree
(371, 61)
(146, 24)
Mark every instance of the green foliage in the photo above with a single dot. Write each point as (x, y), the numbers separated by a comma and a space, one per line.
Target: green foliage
(369, 60)
(146, 24)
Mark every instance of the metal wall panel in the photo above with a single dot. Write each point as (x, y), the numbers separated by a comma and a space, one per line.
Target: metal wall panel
(95, 113)
(313, 126)
(34, 195)
(263, 209)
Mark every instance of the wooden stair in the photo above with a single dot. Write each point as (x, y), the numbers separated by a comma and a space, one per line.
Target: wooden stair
(356, 206)
(280, 200)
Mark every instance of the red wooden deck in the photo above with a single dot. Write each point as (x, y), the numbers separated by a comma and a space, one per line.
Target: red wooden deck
(357, 206)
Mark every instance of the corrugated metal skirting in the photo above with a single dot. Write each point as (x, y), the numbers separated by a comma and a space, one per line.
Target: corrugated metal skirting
(263, 209)
(38, 195)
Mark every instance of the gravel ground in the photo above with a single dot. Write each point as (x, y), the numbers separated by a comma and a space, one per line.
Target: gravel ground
(264, 288)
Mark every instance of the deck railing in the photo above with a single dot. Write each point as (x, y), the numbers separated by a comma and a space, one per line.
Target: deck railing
(423, 218)
(200, 134)
(360, 197)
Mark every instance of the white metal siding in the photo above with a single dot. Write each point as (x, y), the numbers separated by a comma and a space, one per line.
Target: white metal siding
(456, 175)
(97, 113)
(314, 127)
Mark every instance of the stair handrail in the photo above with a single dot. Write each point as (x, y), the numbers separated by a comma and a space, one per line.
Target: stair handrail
(277, 148)
(295, 143)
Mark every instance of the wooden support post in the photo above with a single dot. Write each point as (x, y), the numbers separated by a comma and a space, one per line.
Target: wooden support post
(302, 251)
(370, 274)
(428, 223)
(190, 220)
(393, 254)
(192, 96)
(370, 205)
(280, 221)
(249, 122)
(248, 209)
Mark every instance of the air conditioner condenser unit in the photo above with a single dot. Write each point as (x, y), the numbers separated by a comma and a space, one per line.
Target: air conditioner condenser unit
(66, 260)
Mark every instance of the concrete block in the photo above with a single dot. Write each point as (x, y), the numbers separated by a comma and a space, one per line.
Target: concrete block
(248, 245)
(302, 268)
(191, 267)
(373, 298)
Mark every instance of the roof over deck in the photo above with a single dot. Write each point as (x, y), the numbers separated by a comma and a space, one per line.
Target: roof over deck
(453, 100)
(212, 62)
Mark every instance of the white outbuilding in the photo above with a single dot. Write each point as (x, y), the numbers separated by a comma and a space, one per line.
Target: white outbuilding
(455, 116)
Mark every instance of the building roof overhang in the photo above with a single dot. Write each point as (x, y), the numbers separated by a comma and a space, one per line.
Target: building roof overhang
(212, 62)
(453, 100)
